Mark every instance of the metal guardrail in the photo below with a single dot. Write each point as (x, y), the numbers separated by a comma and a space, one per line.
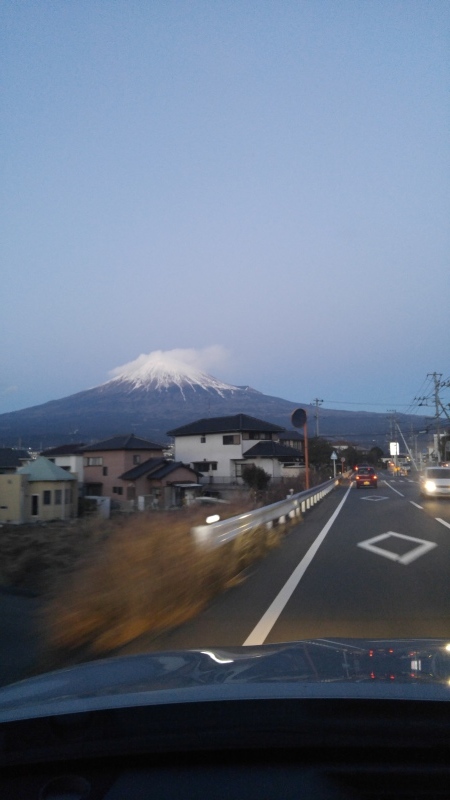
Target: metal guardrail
(218, 533)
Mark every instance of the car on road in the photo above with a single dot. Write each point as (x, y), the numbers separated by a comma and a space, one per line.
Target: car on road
(435, 482)
(366, 476)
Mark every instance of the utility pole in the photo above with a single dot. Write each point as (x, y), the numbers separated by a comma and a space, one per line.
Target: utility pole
(317, 404)
(437, 382)
(437, 407)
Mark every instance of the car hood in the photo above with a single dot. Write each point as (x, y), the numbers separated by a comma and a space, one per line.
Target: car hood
(399, 668)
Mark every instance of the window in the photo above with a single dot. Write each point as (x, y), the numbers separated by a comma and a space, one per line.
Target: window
(231, 438)
(136, 459)
(204, 466)
(256, 435)
(58, 497)
(93, 461)
(105, 470)
(117, 489)
(47, 497)
(203, 439)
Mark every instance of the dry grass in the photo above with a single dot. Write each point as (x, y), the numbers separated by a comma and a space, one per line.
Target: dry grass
(144, 575)
(34, 556)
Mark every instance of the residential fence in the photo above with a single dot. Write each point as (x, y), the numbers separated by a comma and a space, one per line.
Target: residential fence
(218, 533)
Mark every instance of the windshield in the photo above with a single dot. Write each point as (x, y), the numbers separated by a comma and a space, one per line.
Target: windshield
(205, 206)
(438, 473)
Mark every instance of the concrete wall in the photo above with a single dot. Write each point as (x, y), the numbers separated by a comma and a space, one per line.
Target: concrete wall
(13, 490)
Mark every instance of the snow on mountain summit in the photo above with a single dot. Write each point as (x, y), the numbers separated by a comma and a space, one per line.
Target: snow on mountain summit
(161, 370)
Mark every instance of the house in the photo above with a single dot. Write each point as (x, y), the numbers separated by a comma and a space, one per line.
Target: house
(220, 447)
(106, 461)
(68, 457)
(38, 492)
(11, 458)
(160, 483)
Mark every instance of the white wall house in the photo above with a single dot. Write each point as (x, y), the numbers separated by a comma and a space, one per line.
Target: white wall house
(219, 448)
(68, 457)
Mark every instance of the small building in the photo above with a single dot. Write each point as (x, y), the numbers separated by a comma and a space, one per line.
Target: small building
(40, 491)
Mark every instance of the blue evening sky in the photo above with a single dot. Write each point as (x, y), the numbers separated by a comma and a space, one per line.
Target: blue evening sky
(264, 182)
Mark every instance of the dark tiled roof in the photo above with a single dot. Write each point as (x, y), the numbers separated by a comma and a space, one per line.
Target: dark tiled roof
(272, 450)
(156, 468)
(63, 450)
(143, 469)
(237, 422)
(13, 457)
(293, 436)
(128, 442)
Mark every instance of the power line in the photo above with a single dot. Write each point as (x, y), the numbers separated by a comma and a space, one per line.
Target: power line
(368, 403)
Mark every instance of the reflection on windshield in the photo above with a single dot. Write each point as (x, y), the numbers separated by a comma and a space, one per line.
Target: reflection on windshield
(214, 300)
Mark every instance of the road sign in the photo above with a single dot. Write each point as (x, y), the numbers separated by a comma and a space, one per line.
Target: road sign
(298, 417)
(333, 456)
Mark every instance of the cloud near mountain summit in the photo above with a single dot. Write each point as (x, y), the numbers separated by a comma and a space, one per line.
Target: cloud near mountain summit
(203, 360)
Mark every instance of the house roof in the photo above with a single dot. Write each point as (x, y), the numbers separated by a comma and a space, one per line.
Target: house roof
(12, 457)
(268, 449)
(127, 442)
(293, 436)
(44, 470)
(237, 422)
(63, 450)
(156, 468)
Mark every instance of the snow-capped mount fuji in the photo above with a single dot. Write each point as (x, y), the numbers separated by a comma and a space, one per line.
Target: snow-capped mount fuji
(160, 370)
(162, 391)
(148, 397)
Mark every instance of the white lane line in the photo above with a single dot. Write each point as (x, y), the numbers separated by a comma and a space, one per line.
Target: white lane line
(261, 631)
(394, 490)
(443, 522)
(416, 505)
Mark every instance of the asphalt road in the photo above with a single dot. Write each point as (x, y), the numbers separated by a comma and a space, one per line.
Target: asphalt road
(367, 563)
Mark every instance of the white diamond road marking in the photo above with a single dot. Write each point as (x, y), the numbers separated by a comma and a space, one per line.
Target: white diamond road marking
(375, 498)
(420, 550)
